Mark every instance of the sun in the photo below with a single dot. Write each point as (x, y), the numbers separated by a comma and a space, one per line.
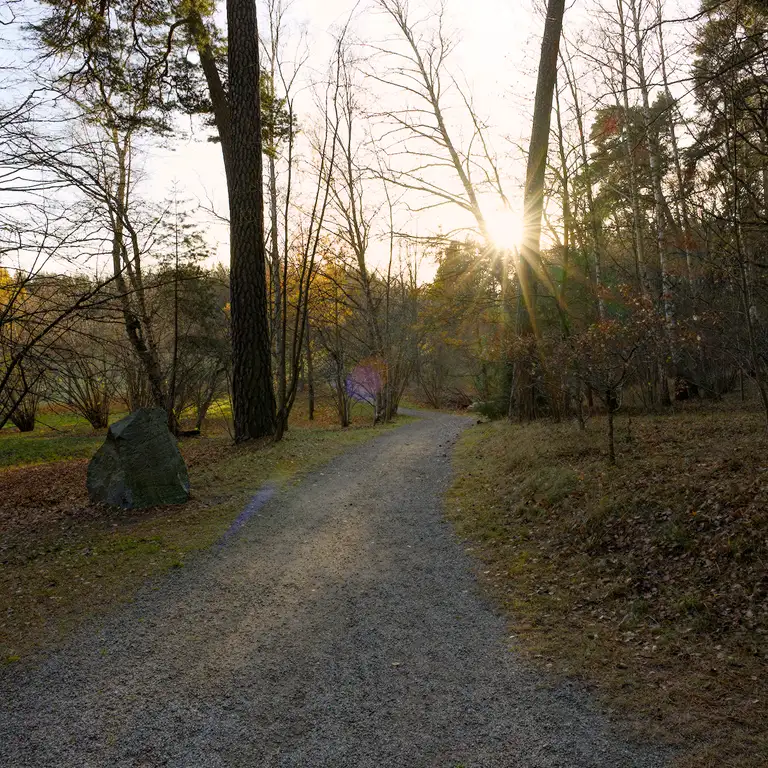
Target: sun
(505, 228)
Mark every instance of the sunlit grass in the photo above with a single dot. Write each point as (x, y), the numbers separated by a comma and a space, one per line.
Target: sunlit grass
(61, 435)
(27, 449)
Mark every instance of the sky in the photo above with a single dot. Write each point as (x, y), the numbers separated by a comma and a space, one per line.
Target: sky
(496, 56)
(497, 59)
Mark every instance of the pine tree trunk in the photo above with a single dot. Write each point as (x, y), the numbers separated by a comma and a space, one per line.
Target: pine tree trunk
(252, 389)
(216, 91)
(533, 203)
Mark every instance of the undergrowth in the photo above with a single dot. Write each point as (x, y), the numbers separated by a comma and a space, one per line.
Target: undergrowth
(647, 579)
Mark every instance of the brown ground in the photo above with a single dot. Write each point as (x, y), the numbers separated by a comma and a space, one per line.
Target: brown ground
(649, 579)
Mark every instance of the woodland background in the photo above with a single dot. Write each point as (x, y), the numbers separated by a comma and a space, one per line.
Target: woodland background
(618, 496)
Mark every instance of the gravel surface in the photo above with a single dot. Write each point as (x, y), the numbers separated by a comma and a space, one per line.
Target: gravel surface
(340, 626)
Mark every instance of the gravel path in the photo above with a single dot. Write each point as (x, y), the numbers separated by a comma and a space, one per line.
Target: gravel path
(341, 626)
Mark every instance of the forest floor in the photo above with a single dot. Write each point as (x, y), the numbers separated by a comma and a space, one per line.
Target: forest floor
(63, 559)
(649, 579)
(341, 627)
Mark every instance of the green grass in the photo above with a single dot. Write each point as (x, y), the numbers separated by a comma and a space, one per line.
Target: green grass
(58, 436)
(56, 420)
(61, 435)
(18, 450)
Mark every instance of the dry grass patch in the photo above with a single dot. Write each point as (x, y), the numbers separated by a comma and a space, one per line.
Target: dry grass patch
(649, 579)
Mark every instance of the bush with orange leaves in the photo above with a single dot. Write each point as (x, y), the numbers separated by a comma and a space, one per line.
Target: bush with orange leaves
(605, 355)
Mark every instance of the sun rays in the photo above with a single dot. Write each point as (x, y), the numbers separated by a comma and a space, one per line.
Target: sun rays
(505, 228)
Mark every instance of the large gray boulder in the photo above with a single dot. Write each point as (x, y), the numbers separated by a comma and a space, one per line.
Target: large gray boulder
(139, 465)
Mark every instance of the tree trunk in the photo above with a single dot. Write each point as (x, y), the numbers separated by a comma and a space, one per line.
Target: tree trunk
(533, 202)
(654, 162)
(274, 270)
(135, 319)
(660, 390)
(216, 91)
(252, 390)
(611, 401)
(747, 297)
(659, 204)
(567, 217)
(310, 378)
(637, 218)
(675, 147)
(342, 403)
(594, 222)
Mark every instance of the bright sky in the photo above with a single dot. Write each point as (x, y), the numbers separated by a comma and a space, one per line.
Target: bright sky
(496, 55)
(497, 59)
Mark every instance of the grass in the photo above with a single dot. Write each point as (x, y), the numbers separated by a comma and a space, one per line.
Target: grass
(63, 559)
(41, 450)
(647, 580)
(58, 435)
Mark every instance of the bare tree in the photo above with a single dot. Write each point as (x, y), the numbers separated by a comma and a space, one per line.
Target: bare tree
(586, 173)
(421, 144)
(308, 245)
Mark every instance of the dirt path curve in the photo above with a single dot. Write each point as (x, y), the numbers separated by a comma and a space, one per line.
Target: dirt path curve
(341, 627)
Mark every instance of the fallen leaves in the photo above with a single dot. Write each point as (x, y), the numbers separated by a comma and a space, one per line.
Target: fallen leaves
(648, 577)
(42, 496)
